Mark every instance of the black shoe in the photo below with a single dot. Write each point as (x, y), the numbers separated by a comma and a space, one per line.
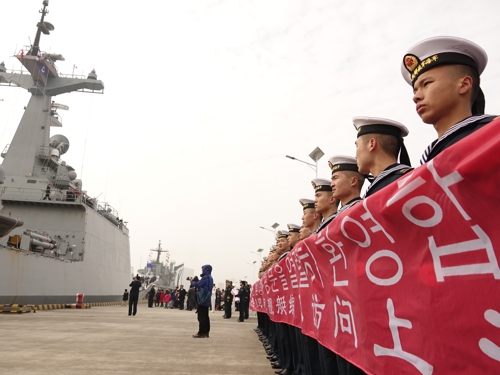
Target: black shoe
(199, 336)
(276, 365)
(129, 314)
(272, 358)
(283, 372)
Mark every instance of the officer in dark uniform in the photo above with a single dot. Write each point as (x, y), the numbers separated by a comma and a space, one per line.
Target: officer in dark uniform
(228, 299)
(247, 305)
(379, 143)
(242, 295)
(452, 65)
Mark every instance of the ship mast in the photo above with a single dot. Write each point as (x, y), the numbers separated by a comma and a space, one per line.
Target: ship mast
(32, 151)
(159, 251)
(43, 27)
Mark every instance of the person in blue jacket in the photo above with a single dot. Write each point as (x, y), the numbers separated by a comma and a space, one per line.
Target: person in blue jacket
(206, 282)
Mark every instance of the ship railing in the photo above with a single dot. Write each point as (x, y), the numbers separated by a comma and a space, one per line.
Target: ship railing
(33, 195)
(80, 76)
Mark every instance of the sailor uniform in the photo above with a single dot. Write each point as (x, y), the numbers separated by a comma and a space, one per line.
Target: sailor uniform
(325, 222)
(392, 173)
(349, 204)
(455, 134)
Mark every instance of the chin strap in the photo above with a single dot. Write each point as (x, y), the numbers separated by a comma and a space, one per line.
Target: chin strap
(479, 104)
(404, 158)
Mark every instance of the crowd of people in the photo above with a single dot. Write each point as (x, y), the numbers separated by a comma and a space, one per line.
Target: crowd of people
(444, 75)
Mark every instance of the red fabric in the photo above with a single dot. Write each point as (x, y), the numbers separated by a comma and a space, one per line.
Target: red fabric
(415, 266)
(162, 297)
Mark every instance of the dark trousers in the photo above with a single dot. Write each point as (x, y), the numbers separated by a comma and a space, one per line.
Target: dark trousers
(242, 311)
(227, 310)
(311, 355)
(285, 354)
(247, 309)
(181, 301)
(150, 302)
(204, 320)
(294, 349)
(328, 361)
(347, 368)
(132, 304)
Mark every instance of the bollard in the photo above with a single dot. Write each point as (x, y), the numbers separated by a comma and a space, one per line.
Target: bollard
(79, 299)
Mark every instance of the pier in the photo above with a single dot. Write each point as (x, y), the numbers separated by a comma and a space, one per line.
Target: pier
(105, 340)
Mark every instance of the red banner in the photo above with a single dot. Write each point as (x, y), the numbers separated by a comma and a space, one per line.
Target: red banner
(408, 280)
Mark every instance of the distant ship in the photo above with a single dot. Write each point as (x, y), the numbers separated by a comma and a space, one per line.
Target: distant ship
(56, 241)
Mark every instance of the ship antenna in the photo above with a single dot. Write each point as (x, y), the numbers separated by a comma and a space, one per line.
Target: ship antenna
(43, 27)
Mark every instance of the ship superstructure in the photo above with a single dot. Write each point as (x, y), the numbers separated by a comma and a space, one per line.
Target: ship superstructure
(68, 243)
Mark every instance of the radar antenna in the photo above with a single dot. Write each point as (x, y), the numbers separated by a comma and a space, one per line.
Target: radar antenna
(159, 250)
(43, 27)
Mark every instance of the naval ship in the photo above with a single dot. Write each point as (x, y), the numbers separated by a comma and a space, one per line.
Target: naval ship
(56, 241)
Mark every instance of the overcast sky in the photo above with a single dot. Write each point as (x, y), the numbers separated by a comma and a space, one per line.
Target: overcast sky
(203, 100)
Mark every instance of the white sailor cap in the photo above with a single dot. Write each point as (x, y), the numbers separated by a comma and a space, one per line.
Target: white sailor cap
(306, 203)
(321, 184)
(293, 228)
(342, 163)
(282, 234)
(378, 125)
(441, 50)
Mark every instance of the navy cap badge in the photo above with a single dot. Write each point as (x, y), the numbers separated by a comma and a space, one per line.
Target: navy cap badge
(411, 62)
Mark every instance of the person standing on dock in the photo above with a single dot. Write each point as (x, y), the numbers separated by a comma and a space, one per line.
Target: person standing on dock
(182, 297)
(203, 297)
(151, 296)
(125, 298)
(134, 296)
(228, 300)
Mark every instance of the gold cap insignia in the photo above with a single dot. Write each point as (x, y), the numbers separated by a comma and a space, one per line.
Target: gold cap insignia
(411, 62)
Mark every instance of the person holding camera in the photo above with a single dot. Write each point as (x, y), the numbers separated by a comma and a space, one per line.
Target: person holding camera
(203, 299)
(135, 285)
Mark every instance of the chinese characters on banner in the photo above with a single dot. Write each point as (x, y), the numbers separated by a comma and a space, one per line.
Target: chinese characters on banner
(408, 280)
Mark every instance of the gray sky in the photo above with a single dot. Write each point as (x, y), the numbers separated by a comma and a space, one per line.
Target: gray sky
(204, 99)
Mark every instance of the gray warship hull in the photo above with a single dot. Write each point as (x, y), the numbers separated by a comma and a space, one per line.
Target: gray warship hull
(56, 241)
(102, 274)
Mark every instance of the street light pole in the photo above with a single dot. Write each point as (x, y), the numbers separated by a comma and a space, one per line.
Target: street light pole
(315, 155)
(259, 253)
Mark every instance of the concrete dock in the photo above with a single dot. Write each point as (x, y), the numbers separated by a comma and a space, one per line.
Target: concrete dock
(105, 340)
